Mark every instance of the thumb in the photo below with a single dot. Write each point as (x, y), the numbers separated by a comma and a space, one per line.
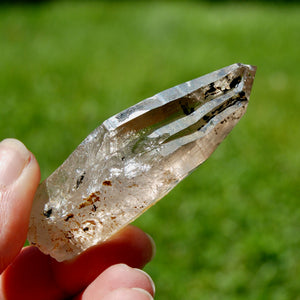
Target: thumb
(19, 178)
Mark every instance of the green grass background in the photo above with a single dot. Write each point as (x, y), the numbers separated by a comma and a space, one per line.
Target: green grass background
(231, 230)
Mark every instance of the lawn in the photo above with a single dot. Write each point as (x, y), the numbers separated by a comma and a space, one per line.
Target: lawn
(231, 230)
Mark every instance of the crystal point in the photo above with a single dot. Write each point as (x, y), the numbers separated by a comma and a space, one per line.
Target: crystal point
(135, 158)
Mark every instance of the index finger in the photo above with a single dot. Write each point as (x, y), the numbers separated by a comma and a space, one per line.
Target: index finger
(34, 275)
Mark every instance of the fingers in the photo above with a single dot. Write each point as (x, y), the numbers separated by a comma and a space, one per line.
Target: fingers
(30, 277)
(19, 178)
(130, 246)
(128, 294)
(34, 275)
(120, 282)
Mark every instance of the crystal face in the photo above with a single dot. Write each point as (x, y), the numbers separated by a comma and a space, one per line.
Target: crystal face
(135, 158)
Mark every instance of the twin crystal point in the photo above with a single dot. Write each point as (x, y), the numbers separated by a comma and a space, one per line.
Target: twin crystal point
(135, 158)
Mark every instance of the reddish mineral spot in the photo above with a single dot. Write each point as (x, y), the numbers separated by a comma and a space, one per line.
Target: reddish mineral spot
(107, 183)
(90, 200)
(69, 216)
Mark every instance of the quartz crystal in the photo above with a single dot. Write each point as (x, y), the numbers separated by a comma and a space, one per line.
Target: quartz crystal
(135, 158)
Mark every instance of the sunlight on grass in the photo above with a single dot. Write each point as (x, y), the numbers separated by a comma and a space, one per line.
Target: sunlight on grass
(229, 231)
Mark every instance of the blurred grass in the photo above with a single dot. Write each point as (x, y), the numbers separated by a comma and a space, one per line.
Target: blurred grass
(229, 231)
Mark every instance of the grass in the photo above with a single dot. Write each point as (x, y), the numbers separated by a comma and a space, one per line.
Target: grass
(230, 230)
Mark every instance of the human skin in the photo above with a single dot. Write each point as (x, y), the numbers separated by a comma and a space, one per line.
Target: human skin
(109, 271)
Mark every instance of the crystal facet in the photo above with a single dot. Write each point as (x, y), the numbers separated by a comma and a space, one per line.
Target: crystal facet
(135, 158)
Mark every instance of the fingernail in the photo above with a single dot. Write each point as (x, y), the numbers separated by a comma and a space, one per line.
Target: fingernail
(144, 292)
(150, 279)
(153, 245)
(14, 156)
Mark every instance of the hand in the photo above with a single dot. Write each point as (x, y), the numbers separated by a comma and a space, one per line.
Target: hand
(101, 272)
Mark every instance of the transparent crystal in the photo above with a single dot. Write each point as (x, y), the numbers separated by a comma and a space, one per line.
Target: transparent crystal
(135, 158)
